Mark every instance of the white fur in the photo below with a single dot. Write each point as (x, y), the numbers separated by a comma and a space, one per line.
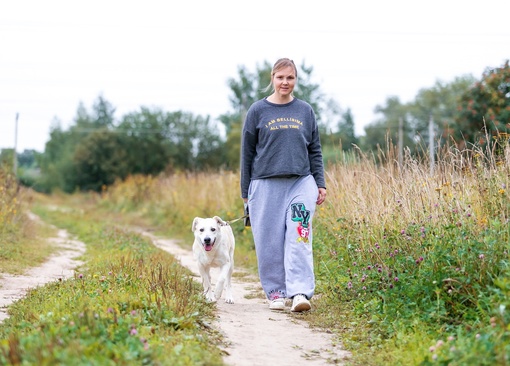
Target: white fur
(216, 233)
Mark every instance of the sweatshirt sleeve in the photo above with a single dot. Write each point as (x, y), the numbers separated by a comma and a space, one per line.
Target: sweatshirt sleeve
(315, 156)
(248, 149)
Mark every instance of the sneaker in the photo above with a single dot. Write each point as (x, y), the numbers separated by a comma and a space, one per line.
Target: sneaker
(300, 303)
(277, 304)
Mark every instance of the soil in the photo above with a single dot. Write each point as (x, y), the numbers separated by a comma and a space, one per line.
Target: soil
(254, 335)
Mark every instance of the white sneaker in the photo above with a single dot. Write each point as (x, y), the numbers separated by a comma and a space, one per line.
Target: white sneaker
(300, 303)
(277, 304)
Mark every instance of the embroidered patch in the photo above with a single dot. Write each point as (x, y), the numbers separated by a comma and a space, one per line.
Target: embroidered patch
(302, 216)
(276, 294)
(303, 232)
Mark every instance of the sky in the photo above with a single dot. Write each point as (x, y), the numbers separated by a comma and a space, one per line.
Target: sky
(179, 55)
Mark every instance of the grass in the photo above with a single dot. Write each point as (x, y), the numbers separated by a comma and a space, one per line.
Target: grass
(131, 304)
(412, 265)
(22, 239)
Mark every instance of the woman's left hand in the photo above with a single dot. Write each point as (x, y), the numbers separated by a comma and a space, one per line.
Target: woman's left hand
(322, 196)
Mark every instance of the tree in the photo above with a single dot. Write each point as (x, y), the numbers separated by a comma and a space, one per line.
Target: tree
(386, 130)
(57, 169)
(345, 132)
(148, 146)
(484, 109)
(440, 103)
(100, 159)
(58, 165)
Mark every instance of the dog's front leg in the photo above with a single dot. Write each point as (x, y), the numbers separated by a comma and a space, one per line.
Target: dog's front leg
(225, 281)
(206, 283)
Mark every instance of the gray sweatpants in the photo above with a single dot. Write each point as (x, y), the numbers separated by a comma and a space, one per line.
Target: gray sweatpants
(281, 212)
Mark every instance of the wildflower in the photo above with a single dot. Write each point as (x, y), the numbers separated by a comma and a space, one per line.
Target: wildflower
(432, 349)
(396, 279)
(439, 343)
(80, 276)
(481, 256)
(369, 267)
(493, 321)
(478, 336)
(133, 312)
(133, 331)
(110, 310)
(451, 338)
(349, 285)
(402, 231)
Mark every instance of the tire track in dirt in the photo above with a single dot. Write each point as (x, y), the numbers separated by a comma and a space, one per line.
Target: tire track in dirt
(60, 265)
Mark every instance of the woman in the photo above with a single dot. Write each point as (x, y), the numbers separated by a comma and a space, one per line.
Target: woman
(282, 180)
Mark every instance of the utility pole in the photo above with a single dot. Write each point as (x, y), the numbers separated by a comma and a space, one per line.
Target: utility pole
(431, 144)
(15, 154)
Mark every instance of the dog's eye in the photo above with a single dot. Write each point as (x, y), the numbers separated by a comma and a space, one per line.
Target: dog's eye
(202, 230)
(213, 229)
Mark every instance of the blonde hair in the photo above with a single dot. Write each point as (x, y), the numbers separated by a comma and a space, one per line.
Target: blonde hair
(278, 65)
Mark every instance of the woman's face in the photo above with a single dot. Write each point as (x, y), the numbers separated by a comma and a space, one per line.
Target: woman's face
(284, 81)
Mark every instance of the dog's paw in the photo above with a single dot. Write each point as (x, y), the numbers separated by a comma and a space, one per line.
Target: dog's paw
(229, 300)
(210, 298)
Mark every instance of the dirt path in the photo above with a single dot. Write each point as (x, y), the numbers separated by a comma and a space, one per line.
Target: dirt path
(255, 335)
(61, 265)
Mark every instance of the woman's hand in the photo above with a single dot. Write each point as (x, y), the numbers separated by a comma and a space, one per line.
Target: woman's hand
(322, 196)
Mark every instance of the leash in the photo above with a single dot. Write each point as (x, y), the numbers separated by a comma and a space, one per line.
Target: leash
(238, 219)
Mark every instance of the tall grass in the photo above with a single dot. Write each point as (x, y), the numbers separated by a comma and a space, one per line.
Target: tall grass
(172, 202)
(412, 263)
(419, 256)
(21, 239)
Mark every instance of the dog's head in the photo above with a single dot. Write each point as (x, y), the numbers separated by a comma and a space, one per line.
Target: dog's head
(207, 231)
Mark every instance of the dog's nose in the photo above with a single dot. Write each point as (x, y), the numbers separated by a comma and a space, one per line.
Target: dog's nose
(207, 240)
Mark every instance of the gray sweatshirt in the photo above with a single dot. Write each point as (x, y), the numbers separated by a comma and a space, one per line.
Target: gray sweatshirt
(280, 140)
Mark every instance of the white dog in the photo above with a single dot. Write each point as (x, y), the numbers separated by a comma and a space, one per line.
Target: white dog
(214, 247)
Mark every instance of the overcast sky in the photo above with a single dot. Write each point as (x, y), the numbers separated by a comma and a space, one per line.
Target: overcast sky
(178, 55)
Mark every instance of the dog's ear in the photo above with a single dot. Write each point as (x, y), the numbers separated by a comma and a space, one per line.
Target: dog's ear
(194, 225)
(220, 221)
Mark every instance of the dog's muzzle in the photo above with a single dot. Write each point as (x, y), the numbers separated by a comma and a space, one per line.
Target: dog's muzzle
(208, 244)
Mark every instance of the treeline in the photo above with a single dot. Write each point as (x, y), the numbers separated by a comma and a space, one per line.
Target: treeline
(98, 149)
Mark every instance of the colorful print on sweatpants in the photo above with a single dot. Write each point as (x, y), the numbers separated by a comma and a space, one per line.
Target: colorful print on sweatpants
(302, 216)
